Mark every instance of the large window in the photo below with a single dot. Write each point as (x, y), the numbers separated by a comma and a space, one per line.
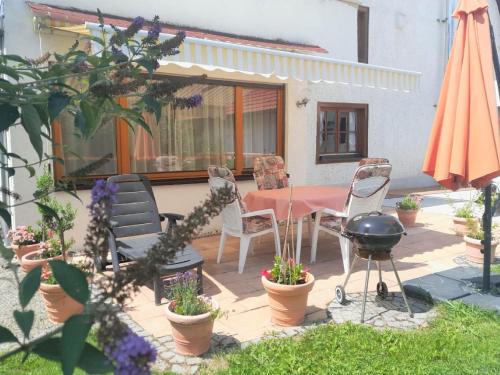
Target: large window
(342, 132)
(233, 124)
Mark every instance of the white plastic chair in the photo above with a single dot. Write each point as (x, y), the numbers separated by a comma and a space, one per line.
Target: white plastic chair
(245, 225)
(367, 192)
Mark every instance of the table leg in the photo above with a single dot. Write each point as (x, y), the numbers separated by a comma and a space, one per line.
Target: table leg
(299, 239)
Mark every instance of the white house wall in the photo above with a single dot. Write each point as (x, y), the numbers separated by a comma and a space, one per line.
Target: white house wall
(398, 124)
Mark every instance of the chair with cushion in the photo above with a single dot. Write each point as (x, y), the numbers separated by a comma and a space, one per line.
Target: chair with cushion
(366, 194)
(269, 172)
(237, 222)
(136, 227)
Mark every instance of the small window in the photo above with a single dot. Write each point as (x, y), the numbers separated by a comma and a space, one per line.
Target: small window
(342, 132)
(363, 34)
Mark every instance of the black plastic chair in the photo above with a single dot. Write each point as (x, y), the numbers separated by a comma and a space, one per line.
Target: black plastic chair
(136, 225)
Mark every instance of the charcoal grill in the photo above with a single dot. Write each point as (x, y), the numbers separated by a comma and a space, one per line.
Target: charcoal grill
(374, 235)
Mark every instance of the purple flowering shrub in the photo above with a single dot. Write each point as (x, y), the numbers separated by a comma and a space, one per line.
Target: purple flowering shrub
(131, 354)
(184, 293)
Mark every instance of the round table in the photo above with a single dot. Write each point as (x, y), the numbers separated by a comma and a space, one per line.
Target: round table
(305, 201)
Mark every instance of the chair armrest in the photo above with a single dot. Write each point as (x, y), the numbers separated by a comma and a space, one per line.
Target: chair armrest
(329, 211)
(171, 217)
(268, 211)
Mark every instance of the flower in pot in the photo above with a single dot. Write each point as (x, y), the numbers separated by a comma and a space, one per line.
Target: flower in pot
(407, 209)
(191, 316)
(24, 240)
(463, 214)
(50, 249)
(59, 305)
(287, 283)
(473, 242)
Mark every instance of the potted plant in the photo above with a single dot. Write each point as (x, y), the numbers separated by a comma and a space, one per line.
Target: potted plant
(473, 242)
(50, 249)
(407, 209)
(24, 240)
(462, 214)
(58, 304)
(287, 283)
(191, 316)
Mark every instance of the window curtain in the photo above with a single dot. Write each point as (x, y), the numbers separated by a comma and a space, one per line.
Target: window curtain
(188, 139)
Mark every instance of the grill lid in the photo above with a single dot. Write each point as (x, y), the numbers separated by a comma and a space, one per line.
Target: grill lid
(374, 224)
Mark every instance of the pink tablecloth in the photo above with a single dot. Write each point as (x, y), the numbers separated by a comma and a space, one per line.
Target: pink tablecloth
(306, 200)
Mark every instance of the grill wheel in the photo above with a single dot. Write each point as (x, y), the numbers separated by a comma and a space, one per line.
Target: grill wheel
(382, 290)
(340, 295)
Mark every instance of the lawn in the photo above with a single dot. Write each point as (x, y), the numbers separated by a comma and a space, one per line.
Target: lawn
(462, 340)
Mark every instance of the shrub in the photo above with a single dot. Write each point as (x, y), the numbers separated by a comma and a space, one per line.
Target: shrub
(410, 202)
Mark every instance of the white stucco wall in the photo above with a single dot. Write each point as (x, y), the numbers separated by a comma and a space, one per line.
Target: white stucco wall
(403, 34)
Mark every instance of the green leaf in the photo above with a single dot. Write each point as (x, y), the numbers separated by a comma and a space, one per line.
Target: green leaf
(75, 332)
(33, 126)
(57, 102)
(8, 116)
(7, 70)
(6, 335)
(10, 171)
(43, 113)
(31, 170)
(24, 320)
(47, 211)
(7, 254)
(154, 105)
(16, 58)
(29, 286)
(5, 215)
(71, 279)
(49, 349)
(93, 361)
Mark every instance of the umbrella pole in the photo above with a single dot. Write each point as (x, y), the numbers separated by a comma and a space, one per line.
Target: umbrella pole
(487, 238)
(488, 214)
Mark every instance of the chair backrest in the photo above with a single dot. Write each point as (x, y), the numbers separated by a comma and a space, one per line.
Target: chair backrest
(269, 172)
(368, 189)
(373, 161)
(231, 214)
(135, 211)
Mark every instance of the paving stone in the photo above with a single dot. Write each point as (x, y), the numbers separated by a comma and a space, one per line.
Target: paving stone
(485, 301)
(178, 369)
(441, 288)
(194, 369)
(193, 360)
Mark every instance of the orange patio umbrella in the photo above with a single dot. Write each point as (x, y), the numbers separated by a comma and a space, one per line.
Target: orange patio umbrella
(464, 146)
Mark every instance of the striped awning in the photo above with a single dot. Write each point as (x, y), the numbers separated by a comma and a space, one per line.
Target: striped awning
(213, 55)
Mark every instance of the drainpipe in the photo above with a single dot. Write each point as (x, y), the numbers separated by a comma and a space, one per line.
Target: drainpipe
(4, 178)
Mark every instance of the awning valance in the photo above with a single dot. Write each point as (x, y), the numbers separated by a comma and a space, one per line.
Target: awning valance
(230, 57)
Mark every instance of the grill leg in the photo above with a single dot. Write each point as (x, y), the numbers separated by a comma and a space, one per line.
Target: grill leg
(366, 288)
(199, 272)
(354, 261)
(401, 287)
(379, 271)
(158, 288)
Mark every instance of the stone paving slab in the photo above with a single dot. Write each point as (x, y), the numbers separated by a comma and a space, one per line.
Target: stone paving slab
(390, 312)
(441, 288)
(485, 301)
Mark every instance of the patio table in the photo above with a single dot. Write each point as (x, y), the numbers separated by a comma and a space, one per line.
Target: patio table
(305, 201)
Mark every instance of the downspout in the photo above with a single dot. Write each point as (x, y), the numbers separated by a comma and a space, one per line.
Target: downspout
(4, 178)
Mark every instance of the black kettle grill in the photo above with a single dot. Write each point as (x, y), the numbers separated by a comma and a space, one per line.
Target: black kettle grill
(373, 235)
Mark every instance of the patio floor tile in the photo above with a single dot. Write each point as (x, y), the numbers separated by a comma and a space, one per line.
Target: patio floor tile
(429, 247)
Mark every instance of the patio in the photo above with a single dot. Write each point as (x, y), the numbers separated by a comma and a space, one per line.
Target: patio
(430, 246)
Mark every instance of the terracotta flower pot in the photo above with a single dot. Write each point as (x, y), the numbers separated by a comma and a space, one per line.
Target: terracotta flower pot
(407, 217)
(58, 304)
(191, 334)
(288, 302)
(22, 250)
(473, 249)
(460, 226)
(31, 260)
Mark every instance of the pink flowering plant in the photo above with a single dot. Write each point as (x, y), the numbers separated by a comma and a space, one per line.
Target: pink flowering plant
(22, 236)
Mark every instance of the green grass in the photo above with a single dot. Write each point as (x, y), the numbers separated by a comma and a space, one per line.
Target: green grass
(36, 365)
(495, 268)
(462, 340)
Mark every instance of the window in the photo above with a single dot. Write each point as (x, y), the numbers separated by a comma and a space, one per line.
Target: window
(342, 132)
(233, 124)
(363, 34)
